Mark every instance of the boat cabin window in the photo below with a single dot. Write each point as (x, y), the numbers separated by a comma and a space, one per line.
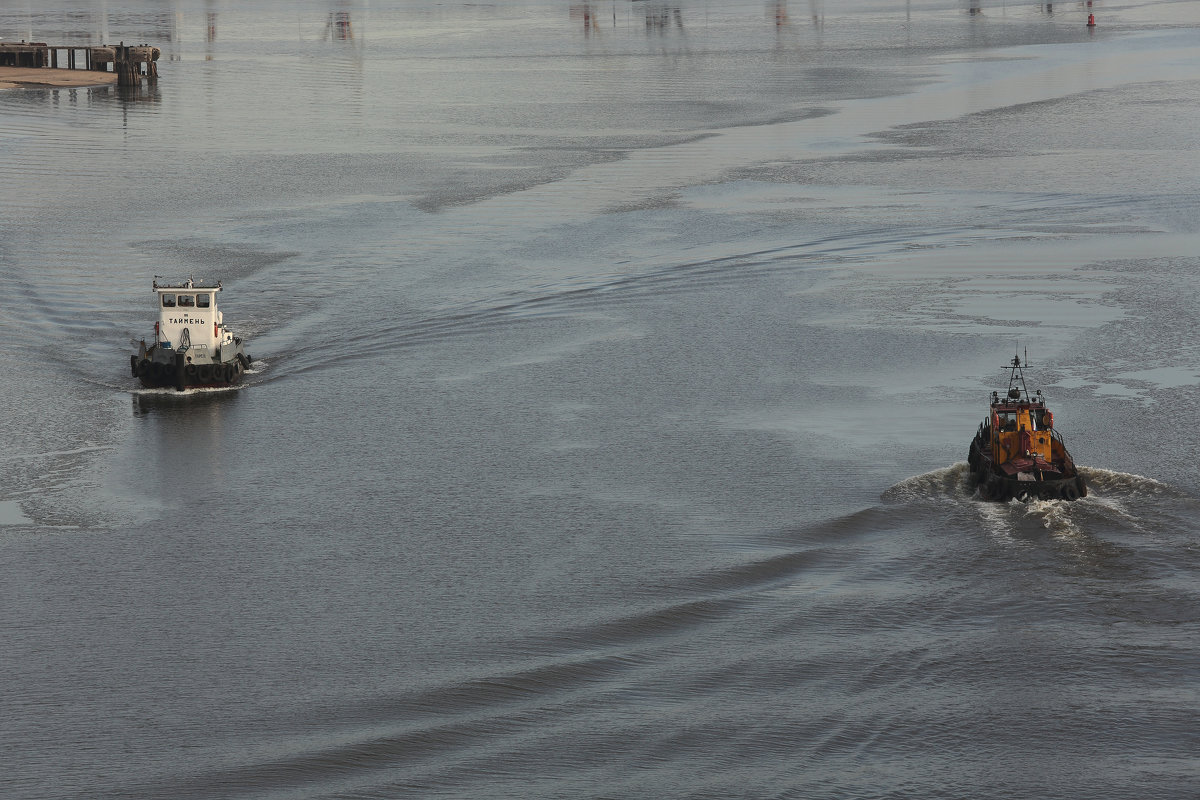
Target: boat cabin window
(202, 301)
(168, 301)
(186, 300)
(1008, 420)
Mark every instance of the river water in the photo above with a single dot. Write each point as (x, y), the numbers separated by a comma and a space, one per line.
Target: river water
(615, 366)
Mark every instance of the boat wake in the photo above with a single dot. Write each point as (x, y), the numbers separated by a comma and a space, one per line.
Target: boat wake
(1113, 499)
(1104, 482)
(953, 482)
(191, 391)
(947, 483)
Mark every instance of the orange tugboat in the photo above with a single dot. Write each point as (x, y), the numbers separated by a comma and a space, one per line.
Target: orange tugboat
(1017, 453)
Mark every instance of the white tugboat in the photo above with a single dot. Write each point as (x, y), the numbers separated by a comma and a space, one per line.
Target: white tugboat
(192, 347)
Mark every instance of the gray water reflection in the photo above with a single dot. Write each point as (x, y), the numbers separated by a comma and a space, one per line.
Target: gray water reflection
(185, 443)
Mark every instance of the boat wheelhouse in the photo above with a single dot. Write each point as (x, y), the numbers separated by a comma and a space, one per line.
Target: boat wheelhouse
(192, 347)
(1017, 452)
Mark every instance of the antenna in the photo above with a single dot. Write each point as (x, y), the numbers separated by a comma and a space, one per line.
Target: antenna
(1017, 387)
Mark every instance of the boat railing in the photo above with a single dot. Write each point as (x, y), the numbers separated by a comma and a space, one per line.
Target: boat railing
(986, 432)
(189, 283)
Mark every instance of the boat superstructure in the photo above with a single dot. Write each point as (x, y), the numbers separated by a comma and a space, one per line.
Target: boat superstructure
(192, 347)
(1017, 452)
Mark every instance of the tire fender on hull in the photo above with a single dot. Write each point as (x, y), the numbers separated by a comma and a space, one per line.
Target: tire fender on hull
(994, 490)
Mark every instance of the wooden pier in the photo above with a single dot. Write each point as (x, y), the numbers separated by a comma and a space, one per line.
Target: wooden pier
(131, 63)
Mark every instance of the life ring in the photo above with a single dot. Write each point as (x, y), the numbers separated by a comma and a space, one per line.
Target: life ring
(1070, 492)
(1048, 420)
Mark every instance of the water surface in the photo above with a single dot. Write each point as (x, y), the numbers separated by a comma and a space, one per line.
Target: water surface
(615, 365)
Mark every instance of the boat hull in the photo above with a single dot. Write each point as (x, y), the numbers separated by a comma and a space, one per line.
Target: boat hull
(996, 486)
(176, 373)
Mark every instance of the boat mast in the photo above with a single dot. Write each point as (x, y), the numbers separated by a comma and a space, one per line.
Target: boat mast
(1016, 377)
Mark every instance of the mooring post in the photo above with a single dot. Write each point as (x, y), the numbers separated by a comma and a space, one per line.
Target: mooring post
(125, 66)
